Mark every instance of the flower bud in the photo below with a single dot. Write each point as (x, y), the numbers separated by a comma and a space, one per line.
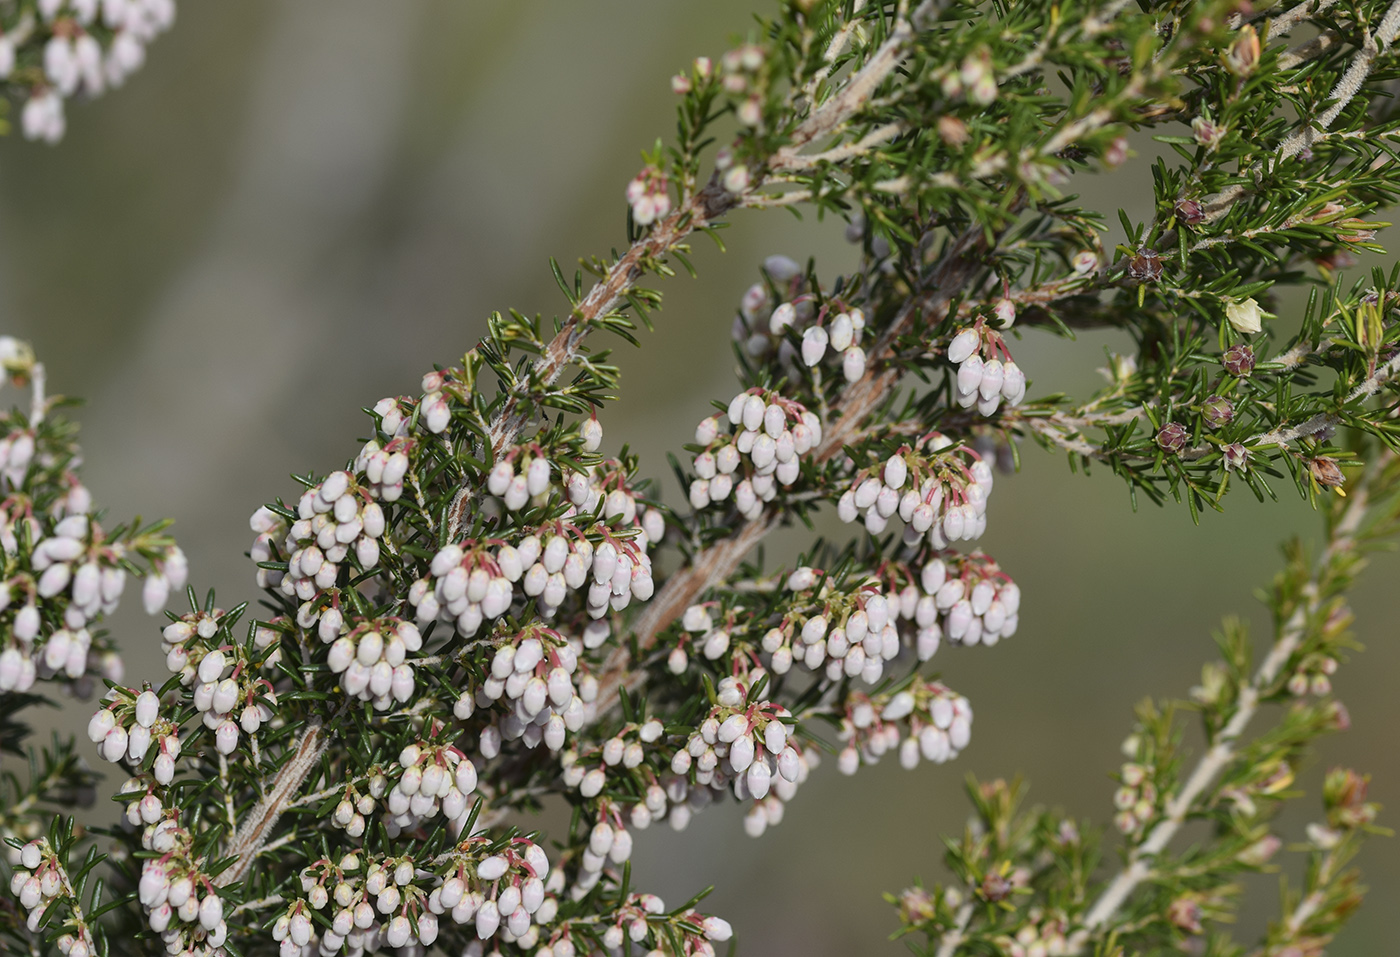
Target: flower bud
(1238, 360)
(1172, 438)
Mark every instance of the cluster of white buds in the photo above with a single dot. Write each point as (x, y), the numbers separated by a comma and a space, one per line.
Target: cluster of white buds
(1135, 799)
(434, 412)
(39, 881)
(231, 697)
(850, 634)
(839, 338)
(637, 922)
(1040, 936)
(750, 740)
(335, 518)
(967, 599)
(1314, 673)
(632, 921)
(385, 465)
(504, 892)
(128, 725)
(588, 770)
(125, 729)
(185, 640)
(649, 196)
(750, 756)
(227, 689)
(372, 656)
(433, 778)
(180, 901)
(985, 383)
(701, 632)
(76, 562)
(754, 326)
(78, 577)
(144, 806)
(534, 672)
(831, 331)
(761, 450)
(937, 489)
(523, 477)
(169, 572)
(608, 841)
(473, 581)
(75, 59)
(388, 889)
(925, 719)
(296, 929)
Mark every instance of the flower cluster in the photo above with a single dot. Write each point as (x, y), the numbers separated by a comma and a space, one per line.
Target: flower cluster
(649, 196)
(371, 656)
(1135, 799)
(948, 485)
(534, 672)
(75, 47)
(181, 903)
(925, 718)
(434, 778)
(761, 450)
(126, 728)
(986, 382)
(64, 571)
(504, 890)
(788, 309)
(745, 744)
(842, 631)
(385, 465)
(335, 519)
(39, 882)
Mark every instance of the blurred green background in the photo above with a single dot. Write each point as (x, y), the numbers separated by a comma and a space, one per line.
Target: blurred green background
(296, 209)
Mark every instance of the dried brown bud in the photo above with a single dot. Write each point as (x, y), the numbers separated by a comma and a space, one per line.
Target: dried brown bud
(1326, 472)
(1146, 266)
(1341, 717)
(1336, 260)
(1238, 360)
(1190, 212)
(1218, 411)
(1172, 438)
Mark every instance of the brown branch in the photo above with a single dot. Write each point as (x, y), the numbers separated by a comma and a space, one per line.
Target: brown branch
(258, 825)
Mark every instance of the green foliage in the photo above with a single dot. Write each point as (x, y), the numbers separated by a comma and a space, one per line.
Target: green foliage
(482, 610)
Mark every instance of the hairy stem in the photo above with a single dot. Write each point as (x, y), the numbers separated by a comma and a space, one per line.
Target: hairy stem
(1224, 751)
